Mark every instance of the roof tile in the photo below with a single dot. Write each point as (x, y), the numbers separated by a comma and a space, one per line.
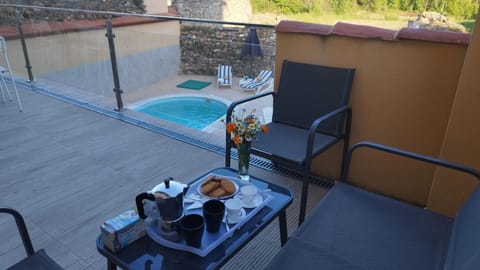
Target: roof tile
(302, 27)
(433, 36)
(362, 31)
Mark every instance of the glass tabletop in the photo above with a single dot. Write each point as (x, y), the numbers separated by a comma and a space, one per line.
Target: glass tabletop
(146, 252)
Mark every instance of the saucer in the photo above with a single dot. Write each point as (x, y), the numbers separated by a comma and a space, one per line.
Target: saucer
(254, 203)
(234, 220)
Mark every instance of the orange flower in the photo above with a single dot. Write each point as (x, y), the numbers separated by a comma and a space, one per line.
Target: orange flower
(236, 139)
(251, 121)
(230, 127)
(264, 128)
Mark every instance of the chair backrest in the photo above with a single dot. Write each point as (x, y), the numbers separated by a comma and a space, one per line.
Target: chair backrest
(264, 75)
(307, 91)
(464, 248)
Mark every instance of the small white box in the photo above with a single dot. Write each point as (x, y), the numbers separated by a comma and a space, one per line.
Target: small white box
(122, 230)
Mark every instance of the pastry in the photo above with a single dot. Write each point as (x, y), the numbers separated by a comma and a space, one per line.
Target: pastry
(218, 192)
(217, 187)
(208, 186)
(227, 185)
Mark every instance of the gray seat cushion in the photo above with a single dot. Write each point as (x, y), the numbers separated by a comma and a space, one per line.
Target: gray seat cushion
(464, 250)
(303, 254)
(367, 231)
(289, 143)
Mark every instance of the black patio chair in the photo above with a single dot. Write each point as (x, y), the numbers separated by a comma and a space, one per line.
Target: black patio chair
(310, 114)
(35, 260)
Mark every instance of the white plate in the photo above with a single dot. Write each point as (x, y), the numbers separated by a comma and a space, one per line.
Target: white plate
(199, 189)
(252, 204)
(234, 220)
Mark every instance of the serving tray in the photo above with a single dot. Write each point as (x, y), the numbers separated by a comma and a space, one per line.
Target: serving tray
(210, 240)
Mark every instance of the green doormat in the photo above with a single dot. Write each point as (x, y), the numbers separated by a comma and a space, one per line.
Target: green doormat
(192, 84)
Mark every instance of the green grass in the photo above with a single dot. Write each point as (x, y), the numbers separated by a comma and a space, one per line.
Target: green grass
(468, 25)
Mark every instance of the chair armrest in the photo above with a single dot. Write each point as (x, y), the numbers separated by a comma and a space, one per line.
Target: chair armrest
(395, 151)
(313, 128)
(22, 229)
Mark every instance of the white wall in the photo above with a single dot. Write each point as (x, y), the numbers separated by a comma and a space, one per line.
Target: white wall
(156, 6)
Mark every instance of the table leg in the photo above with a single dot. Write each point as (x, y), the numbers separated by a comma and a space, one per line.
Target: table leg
(282, 221)
(111, 265)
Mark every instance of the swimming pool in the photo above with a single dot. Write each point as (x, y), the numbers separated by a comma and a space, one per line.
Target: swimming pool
(191, 111)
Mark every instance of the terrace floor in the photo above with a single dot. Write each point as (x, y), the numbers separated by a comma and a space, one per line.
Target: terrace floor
(67, 169)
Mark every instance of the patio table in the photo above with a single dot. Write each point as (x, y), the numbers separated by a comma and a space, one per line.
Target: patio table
(145, 253)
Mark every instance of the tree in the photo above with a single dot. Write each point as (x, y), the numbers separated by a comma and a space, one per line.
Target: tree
(290, 6)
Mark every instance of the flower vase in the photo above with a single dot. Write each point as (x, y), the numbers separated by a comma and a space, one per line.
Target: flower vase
(243, 161)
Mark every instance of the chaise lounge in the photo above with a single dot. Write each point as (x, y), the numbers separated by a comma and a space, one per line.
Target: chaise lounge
(224, 76)
(258, 84)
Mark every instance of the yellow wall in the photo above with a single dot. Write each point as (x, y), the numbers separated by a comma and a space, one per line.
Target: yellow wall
(461, 142)
(402, 96)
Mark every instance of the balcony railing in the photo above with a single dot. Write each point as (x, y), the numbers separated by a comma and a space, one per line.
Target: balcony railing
(74, 53)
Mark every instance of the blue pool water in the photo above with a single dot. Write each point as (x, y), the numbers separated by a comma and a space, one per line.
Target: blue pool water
(194, 112)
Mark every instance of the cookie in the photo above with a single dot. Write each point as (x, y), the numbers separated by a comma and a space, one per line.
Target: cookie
(218, 192)
(209, 180)
(227, 185)
(208, 186)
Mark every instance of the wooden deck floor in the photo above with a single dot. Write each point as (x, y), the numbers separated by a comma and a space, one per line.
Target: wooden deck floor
(67, 169)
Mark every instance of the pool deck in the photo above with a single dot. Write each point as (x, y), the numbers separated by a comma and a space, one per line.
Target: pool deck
(214, 134)
(168, 88)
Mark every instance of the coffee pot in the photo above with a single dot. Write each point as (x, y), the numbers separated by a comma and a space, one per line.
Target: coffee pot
(168, 200)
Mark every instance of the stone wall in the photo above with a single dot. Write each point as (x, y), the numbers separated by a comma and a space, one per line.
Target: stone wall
(202, 9)
(435, 21)
(222, 10)
(204, 48)
(7, 15)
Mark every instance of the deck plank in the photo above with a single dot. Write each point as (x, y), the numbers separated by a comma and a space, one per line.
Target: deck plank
(68, 169)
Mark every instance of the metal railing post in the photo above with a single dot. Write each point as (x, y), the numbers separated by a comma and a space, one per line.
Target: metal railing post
(24, 47)
(113, 59)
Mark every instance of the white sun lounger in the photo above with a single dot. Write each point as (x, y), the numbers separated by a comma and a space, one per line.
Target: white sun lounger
(224, 76)
(255, 84)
